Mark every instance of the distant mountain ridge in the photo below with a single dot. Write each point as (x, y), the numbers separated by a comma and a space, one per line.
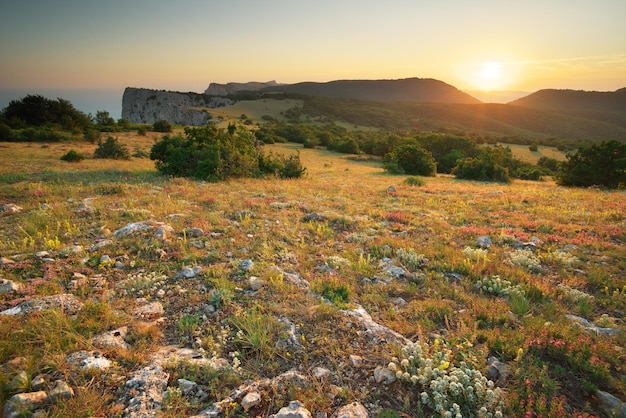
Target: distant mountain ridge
(217, 89)
(600, 101)
(423, 90)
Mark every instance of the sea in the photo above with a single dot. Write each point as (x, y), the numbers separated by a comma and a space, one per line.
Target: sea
(88, 101)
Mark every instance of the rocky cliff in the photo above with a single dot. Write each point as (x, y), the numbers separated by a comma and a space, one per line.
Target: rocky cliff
(148, 106)
(230, 88)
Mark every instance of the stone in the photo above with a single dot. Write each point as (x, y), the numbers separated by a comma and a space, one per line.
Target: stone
(353, 410)
(194, 232)
(61, 390)
(295, 410)
(356, 361)
(83, 207)
(246, 265)
(590, 326)
(498, 371)
(42, 254)
(391, 189)
(8, 286)
(384, 375)
(320, 372)
(188, 272)
(101, 244)
(313, 217)
(294, 378)
(19, 383)
(78, 280)
(186, 386)
(88, 360)
(10, 208)
(38, 383)
(376, 331)
(18, 404)
(255, 283)
(483, 241)
(152, 310)
(251, 400)
(610, 405)
(66, 302)
(112, 339)
(400, 302)
(144, 392)
(5, 261)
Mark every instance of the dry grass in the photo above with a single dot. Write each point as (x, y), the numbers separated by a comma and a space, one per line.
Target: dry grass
(341, 255)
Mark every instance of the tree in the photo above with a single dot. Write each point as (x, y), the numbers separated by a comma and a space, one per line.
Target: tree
(410, 158)
(489, 165)
(104, 122)
(162, 126)
(602, 164)
(112, 149)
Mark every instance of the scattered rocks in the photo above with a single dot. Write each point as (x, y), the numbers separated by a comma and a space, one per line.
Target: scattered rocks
(24, 402)
(353, 410)
(484, 241)
(150, 311)
(112, 339)
(610, 405)
(246, 265)
(356, 361)
(142, 226)
(188, 272)
(384, 375)
(498, 371)
(313, 217)
(19, 383)
(8, 286)
(145, 392)
(61, 390)
(251, 400)
(88, 360)
(66, 302)
(194, 233)
(255, 283)
(320, 372)
(84, 208)
(10, 208)
(295, 410)
(376, 331)
(5, 261)
(590, 326)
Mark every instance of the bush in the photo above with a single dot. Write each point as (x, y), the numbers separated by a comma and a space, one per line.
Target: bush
(162, 126)
(112, 149)
(213, 154)
(414, 181)
(489, 165)
(601, 164)
(410, 158)
(73, 156)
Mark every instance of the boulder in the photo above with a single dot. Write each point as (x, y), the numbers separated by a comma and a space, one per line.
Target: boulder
(18, 404)
(353, 410)
(295, 410)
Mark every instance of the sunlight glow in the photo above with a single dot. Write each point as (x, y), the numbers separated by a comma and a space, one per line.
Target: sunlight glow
(490, 76)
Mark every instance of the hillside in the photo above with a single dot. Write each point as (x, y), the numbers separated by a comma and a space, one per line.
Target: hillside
(500, 120)
(124, 293)
(422, 90)
(598, 101)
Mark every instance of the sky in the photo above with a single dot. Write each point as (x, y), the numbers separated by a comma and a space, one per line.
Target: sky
(184, 45)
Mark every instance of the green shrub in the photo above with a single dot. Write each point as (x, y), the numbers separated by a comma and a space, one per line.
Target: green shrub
(73, 156)
(112, 149)
(489, 165)
(414, 181)
(213, 154)
(410, 158)
(601, 164)
(162, 126)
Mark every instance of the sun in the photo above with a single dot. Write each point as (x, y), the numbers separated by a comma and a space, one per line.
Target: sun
(490, 76)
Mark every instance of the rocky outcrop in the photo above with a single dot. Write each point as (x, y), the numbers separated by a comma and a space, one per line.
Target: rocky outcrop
(148, 106)
(218, 89)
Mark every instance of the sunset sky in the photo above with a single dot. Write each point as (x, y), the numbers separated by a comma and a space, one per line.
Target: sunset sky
(186, 44)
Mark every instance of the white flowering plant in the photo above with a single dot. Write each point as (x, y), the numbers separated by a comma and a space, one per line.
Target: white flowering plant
(410, 259)
(449, 389)
(525, 259)
(499, 287)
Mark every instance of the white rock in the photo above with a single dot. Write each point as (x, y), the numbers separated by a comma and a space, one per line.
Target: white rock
(295, 410)
(255, 283)
(18, 404)
(251, 400)
(353, 410)
(61, 391)
(8, 286)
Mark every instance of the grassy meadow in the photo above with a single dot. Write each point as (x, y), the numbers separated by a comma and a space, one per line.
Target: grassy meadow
(554, 252)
